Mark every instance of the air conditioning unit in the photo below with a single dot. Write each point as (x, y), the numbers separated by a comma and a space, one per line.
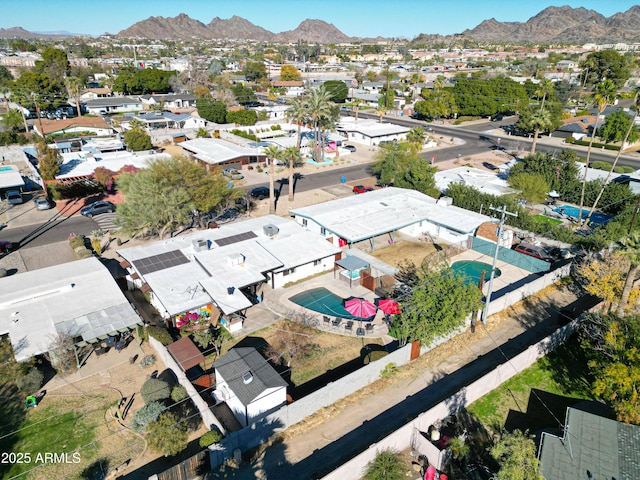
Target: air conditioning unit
(200, 245)
(270, 230)
(445, 201)
(236, 259)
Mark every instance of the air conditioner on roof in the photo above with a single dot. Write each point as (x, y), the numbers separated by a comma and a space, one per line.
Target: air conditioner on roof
(200, 245)
(270, 230)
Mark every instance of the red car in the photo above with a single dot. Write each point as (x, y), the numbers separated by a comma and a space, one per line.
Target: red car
(362, 189)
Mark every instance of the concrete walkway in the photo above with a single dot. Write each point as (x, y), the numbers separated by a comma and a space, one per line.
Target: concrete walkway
(325, 441)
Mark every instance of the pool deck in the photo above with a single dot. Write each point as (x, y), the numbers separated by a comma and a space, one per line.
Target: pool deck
(276, 305)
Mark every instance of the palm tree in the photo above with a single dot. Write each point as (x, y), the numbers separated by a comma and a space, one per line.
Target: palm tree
(318, 106)
(292, 155)
(544, 88)
(539, 121)
(381, 111)
(416, 138)
(605, 91)
(74, 88)
(298, 113)
(632, 125)
(356, 102)
(272, 152)
(632, 251)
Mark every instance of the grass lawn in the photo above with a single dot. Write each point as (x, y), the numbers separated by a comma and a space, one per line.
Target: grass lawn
(538, 396)
(544, 220)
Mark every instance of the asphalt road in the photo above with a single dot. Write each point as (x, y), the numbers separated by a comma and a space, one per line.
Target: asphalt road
(55, 230)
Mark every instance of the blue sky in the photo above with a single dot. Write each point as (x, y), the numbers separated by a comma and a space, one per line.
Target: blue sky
(365, 18)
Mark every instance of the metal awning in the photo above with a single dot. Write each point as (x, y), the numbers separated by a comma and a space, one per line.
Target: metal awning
(352, 263)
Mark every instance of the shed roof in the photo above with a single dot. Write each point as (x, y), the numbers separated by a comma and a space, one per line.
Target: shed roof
(186, 353)
(236, 365)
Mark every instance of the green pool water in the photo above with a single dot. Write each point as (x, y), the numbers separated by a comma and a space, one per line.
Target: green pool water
(472, 270)
(323, 301)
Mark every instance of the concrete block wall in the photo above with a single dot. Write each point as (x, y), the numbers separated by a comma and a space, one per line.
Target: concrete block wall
(406, 436)
(207, 415)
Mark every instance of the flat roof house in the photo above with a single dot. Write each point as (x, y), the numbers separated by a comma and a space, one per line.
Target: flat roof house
(248, 384)
(80, 299)
(363, 217)
(217, 152)
(370, 132)
(113, 105)
(225, 267)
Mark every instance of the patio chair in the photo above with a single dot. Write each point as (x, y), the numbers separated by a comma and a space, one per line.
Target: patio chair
(349, 326)
(360, 332)
(326, 321)
(336, 323)
(369, 327)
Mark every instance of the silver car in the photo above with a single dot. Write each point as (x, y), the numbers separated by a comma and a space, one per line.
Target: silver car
(42, 203)
(232, 173)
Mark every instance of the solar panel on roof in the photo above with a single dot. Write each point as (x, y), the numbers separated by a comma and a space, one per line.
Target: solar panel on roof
(160, 262)
(221, 242)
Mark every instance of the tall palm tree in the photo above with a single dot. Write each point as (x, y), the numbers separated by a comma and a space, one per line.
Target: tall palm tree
(74, 89)
(272, 152)
(539, 121)
(356, 102)
(297, 111)
(318, 106)
(544, 88)
(632, 251)
(632, 125)
(381, 111)
(292, 155)
(605, 91)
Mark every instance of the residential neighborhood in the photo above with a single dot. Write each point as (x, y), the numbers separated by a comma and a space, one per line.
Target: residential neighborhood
(320, 256)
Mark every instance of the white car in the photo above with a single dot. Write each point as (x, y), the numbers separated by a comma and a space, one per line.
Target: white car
(232, 173)
(42, 203)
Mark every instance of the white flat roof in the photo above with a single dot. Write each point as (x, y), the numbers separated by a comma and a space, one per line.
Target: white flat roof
(10, 177)
(79, 298)
(215, 150)
(364, 216)
(481, 180)
(233, 262)
(371, 128)
(75, 164)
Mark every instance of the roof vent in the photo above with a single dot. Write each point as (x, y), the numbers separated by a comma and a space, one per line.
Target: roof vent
(236, 259)
(270, 230)
(445, 201)
(200, 245)
(247, 378)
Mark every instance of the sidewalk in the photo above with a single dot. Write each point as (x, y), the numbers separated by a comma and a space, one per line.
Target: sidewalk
(334, 435)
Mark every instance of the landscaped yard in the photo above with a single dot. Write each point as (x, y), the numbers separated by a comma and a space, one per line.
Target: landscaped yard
(315, 352)
(538, 396)
(548, 221)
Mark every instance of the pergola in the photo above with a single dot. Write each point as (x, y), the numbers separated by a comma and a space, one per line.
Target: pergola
(350, 267)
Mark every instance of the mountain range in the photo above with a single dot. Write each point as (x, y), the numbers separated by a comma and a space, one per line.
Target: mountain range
(552, 25)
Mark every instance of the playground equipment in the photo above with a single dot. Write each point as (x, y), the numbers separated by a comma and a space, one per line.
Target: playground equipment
(31, 401)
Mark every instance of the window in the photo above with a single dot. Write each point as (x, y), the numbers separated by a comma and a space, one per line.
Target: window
(253, 159)
(323, 231)
(288, 272)
(304, 222)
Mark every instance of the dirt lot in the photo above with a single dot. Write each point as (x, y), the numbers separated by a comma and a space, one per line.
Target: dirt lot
(404, 250)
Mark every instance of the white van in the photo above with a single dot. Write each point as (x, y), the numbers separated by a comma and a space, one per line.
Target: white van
(14, 197)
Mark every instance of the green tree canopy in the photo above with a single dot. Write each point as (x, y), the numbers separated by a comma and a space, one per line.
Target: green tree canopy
(387, 465)
(244, 94)
(137, 140)
(132, 81)
(438, 304)
(48, 161)
(338, 90)
(533, 186)
(399, 164)
(167, 435)
(436, 104)
(160, 198)
(212, 110)
(254, 71)
(605, 64)
(488, 96)
(289, 72)
(242, 117)
(516, 454)
(616, 126)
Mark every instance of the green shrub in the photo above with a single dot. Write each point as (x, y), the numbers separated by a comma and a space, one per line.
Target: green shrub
(160, 334)
(141, 332)
(601, 166)
(623, 169)
(179, 393)
(76, 241)
(155, 389)
(147, 414)
(85, 253)
(147, 361)
(75, 190)
(31, 381)
(210, 438)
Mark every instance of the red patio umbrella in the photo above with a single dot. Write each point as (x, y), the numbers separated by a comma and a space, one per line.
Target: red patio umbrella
(360, 307)
(388, 306)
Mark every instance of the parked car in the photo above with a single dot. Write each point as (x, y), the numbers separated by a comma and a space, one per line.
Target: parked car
(7, 247)
(98, 208)
(362, 189)
(535, 251)
(14, 197)
(259, 193)
(351, 148)
(42, 203)
(232, 173)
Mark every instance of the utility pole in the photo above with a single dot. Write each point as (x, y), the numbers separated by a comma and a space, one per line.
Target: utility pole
(503, 216)
(35, 101)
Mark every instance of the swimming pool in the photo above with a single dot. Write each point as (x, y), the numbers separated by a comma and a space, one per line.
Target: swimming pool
(473, 270)
(5, 169)
(323, 301)
(597, 218)
(326, 161)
